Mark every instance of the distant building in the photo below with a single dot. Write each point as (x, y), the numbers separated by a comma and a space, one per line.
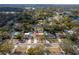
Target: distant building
(28, 35)
(69, 31)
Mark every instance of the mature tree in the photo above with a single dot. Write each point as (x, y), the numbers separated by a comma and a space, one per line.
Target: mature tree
(6, 47)
(67, 46)
(18, 36)
(39, 50)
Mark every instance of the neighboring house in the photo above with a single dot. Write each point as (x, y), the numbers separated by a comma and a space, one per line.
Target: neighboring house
(50, 18)
(69, 31)
(28, 35)
(39, 33)
(67, 13)
(50, 36)
(60, 35)
(15, 34)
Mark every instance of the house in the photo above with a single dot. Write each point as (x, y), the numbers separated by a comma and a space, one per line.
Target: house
(50, 35)
(14, 34)
(40, 33)
(45, 33)
(67, 13)
(69, 31)
(50, 18)
(60, 35)
(28, 35)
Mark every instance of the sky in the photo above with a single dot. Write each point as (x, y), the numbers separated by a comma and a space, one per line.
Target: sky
(39, 1)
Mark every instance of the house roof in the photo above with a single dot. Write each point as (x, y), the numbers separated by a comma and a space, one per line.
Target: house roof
(16, 33)
(50, 35)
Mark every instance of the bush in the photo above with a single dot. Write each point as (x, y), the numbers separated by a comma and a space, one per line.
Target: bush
(18, 37)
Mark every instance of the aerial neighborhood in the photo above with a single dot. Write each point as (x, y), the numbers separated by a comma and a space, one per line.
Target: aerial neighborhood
(39, 30)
